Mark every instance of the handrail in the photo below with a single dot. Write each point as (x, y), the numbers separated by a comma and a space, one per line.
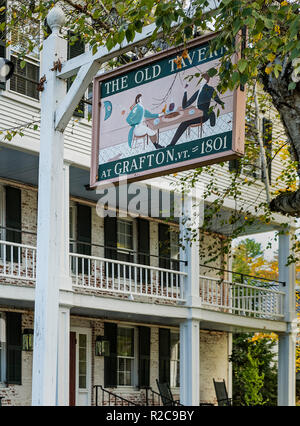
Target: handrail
(113, 396)
(245, 275)
(104, 259)
(17, 245)
(271, 290)
(153, 394)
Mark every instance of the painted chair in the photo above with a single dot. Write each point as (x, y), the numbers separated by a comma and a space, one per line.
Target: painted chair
(221, 394)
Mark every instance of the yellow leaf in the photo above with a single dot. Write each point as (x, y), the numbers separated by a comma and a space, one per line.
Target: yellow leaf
(271, 57)
(268, 70)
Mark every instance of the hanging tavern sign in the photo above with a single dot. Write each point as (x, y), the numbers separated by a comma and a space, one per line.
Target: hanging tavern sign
(162, 114)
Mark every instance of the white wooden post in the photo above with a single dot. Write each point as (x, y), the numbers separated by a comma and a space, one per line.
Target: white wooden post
(190, 328)
(50, 223)
(190, 362)
(63, 359)
(287, 340)
(63, 376)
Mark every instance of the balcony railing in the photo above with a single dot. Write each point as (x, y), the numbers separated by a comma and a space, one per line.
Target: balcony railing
(131, 279)
(17, 261)
(255, 297)
(242, 299)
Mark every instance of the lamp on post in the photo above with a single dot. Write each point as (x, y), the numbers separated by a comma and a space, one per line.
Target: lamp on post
(102, 346)
(6, 69)
(28, 339)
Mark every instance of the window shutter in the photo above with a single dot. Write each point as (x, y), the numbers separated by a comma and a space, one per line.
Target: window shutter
(144, 356)
(14, 347)
(143, 242)
(2, 36)
(13, 219)
(164, 246)
(164, 355)
(110, 242)
(76, 49)
(110, 237)
(84, 234)
(267, 139)
(110, 362)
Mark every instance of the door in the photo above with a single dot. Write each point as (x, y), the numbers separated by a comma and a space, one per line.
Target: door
(80, 367)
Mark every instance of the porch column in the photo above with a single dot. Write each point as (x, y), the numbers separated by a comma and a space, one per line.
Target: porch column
(190, 362)
(287, 340)
(63, 376)
(63, 359)
(190, 328)
(66, 281)
(50, 223)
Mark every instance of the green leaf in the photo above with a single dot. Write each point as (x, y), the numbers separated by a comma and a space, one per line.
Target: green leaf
(242, 65)
(212, 72)
(292, 86)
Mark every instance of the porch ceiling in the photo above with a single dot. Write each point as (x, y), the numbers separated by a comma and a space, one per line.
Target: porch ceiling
(23, 167)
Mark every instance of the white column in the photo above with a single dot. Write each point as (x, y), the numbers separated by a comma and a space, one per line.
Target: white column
(190, 362)
(189, 250)
(287, 340)
(63, 376)
(66, 281)
(190, 328)
(50, 224)
(63, 359)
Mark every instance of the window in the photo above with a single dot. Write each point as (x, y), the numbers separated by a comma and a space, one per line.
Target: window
(24, 80)
(124, 235)
(174, 249)
(168, 247)
(11, 347)
(175, 360)
(125, 356)
(82, 358)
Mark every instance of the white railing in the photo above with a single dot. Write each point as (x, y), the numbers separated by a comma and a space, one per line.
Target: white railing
(242, 299)
(108, 276)
(114, 276)
(17, 261)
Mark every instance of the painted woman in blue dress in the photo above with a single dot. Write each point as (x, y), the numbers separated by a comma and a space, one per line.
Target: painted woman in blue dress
(138, 127)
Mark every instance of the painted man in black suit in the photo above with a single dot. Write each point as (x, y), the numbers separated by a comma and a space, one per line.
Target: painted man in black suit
(203, 98)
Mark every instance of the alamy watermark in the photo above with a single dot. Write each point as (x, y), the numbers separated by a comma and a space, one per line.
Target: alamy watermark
(150, 200)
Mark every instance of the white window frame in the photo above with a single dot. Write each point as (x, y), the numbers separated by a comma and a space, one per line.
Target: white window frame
(134, 359)
(174, 244)
(132, 250)
(174, 359)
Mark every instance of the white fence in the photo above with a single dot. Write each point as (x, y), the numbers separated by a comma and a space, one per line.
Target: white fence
(17, 261)
(114, 276)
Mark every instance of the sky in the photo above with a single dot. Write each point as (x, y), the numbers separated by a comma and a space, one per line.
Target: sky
(264, 239)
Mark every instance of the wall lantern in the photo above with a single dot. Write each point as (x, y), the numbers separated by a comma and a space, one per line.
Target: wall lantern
(28, 339)
(6, 69)
(102, 347)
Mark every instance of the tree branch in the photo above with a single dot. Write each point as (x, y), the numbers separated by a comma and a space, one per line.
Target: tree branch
(84, 10)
